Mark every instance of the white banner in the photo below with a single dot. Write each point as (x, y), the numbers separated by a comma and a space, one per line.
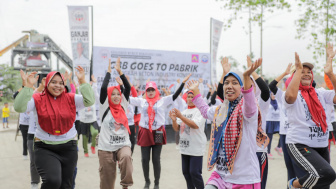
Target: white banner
(216, 30)
(79, 33)
(163, 67)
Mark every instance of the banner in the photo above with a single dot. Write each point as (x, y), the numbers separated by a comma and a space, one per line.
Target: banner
(216, 30)
(79, 34)
(163, 67)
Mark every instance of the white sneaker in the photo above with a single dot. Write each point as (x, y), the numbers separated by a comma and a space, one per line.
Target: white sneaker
(25, 157)
(34, 186)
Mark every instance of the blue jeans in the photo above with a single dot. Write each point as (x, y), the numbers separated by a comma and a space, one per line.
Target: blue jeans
(192, 171)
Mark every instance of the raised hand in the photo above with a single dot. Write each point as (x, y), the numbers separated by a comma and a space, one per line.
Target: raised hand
(288, 69)
(226, 65)
(298, 64)
(186, 78)
(24, 77)
(148, 80)
(70, 78)
(177, 112)
(31, 79)
(330, 50)
(249, 61)
(117, 66)
(328, 69)
(178, 81)
(172, 115)
(193, 85)
(80, 75)
(66, 76)
(200, 80)
(109, 69)
(253, 67)
(119, 81)
(93, 78)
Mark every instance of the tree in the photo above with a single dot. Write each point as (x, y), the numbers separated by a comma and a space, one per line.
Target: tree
(317, 24)
(10, 81)
(257, 9)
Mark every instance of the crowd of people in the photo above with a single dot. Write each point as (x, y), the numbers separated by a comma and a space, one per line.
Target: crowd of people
(243, 111)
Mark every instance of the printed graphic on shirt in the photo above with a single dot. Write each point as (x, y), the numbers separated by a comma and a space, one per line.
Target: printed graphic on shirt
(117, 139)
(146, 114)
(114, 126)
(185, 129)
(286, 121)
(88, 113)
(184, 143)
(307, 112)
(221, 164)
(316, 132)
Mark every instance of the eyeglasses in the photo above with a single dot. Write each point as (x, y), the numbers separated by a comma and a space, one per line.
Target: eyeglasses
(150, 90)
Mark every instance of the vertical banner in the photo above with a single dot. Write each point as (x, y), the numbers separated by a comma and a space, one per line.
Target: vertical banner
(216, 30)
(79, 34)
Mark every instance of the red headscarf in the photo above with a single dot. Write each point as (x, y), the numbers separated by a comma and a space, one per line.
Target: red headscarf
(56, 115)
(151, 102)
(314, 105)
(117, 110)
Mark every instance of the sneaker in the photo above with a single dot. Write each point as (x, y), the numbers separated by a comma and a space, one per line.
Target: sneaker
(279, 150)
(270, 156)
(25, 157)
(34, 186)
(93, 149)
(290, 183)
(156, 186)
(147, 185)
(86, 154)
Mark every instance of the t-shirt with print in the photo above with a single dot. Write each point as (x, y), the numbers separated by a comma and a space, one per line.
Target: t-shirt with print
(130, 114)
(302, 129)
(159, 108)
(24, 118)
(113, 135)
(284, 125)
(5, 112)
(88, 114)
(32, 123)
(263, 107)
(192, 141)
(246, 164)
(273, 115)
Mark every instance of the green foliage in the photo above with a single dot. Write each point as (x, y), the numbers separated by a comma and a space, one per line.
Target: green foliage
(10, 81)
(239, 6)
(317, 24)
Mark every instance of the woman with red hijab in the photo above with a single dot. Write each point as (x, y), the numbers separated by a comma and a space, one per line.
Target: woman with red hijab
(55, 142)
(307, 136)
(152, 133)
(114, 143)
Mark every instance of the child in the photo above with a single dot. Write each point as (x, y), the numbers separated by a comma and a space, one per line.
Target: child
(5, 115)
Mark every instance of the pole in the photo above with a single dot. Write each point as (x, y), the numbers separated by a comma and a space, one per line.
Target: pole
(211, 63)
(91, 62)
(261, 37)
(250, 28)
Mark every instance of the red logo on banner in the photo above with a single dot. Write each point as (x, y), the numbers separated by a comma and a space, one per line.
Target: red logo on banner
(79, 17)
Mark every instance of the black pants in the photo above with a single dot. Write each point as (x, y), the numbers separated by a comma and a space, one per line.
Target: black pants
(24, 132)
(132, 136)
(156, 156)
(192, 171)
(316, 163)
(56, 164)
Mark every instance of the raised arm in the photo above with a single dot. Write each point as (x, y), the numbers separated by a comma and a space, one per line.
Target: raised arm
(273, 85)
(85, 88)
(179, 90)
(328, 69)
(226, 69)
(293, 87)
(260, 82)
(103, 89)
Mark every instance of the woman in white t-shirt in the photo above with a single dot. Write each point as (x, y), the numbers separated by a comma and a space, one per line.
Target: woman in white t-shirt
(114, 144)
(191, 124)
(152, 133)
(234, 133)
(307, 135)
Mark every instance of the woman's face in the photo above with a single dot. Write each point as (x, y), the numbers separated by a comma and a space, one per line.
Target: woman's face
(189, 99)
(115, 96)
(306, 77)
(231, 88)
(56, 86)
(150, 92)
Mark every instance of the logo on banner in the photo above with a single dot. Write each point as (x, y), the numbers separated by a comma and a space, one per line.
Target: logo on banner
(79, 16)
(205, 59)
(194, 58)
(103, 55)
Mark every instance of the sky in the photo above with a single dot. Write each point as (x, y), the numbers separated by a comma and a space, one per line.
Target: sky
(174, 25)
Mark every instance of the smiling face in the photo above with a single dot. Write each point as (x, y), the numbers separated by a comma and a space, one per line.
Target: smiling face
(189, 99)
(307, 76)
(231, 88)
(56, 86)
(150, 92)
(115, 96)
